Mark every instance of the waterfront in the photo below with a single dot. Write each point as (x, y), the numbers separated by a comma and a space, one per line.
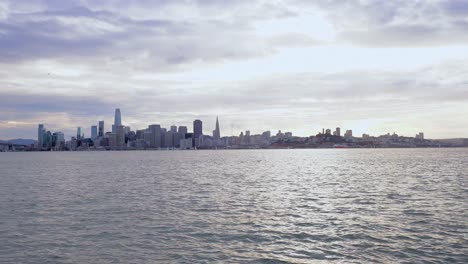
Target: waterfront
(254, 206)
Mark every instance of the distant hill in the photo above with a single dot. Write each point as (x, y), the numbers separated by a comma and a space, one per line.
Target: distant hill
(21, 141)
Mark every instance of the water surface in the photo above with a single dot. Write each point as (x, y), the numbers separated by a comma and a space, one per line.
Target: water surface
(238, 206)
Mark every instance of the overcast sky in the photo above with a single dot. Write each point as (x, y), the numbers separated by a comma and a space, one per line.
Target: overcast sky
(295, 65)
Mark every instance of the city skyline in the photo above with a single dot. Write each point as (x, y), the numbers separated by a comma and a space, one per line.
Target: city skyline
(157, 137)
(260, 65)
(99, 130)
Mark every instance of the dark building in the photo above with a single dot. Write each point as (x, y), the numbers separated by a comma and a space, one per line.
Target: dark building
(155, 138)
(101, 129)
(182, 131)
(197, 129)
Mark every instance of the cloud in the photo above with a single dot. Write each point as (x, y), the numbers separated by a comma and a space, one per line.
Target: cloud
(333, 98)
(398, 23)
(56, 30)
(70, 63)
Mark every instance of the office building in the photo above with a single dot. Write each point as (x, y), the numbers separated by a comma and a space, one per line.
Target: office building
(117, 120)
(40, 136)
(155, 136)
(120, 136)
(348, 134)
(101, 129)
(182, 131)
(94, 132)
(168, 140)
(197, 128)
(338, 132)
(78, 133)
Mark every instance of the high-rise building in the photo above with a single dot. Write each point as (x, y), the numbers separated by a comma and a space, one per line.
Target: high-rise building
(101, 129)
(216, 132)
(348, 134)
(182, 131)
(117, 120)
(140, 134)
(40, 136)
(181, 135)
(174, 129)
(48, 140)
(58, 141)
(197, 129)
(127, 130)
(155, 136)
(117, 117)
(120, 136)
(78, 133)
(338, 132)
(168, 140)
(94, 132)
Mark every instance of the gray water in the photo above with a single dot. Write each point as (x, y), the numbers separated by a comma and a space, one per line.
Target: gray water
(238, 206)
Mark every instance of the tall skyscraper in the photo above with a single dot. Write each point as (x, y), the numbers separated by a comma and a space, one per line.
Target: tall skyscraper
(94, 132)
(117, 117)
(174, 129)
(117, 120)
(155, 137)
(216, 132)
(197, 129)
(78, 133)
(101, 129)
(40, 136)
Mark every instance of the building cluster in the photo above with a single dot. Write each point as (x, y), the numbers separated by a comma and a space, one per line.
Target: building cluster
(178, 137)
(123, 138)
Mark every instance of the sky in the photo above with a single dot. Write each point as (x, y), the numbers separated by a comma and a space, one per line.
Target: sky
(368, 65)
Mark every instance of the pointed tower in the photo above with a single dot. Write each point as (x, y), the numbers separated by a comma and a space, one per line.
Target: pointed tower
(216, 132)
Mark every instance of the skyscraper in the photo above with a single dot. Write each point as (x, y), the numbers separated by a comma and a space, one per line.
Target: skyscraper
(120, 136)
(182, 131)
(78, 133)
(338, 132)
(117, 117)
(117, 120)
(216, 132)
(93, 132)
(101, 129)
(197, 129)
(40, 136)
(155, 136)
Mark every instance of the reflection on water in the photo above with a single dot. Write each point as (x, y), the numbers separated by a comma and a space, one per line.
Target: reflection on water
(259, 206)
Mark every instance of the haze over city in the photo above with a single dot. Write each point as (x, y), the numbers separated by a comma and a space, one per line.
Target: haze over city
(374, 66)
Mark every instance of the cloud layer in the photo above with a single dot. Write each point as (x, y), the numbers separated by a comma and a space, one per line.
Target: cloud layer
(70, 63)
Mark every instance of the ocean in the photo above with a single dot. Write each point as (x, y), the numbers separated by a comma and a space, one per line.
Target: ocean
(235, 206)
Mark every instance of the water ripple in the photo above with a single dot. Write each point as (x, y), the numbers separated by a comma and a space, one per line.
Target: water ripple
(252, 206)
